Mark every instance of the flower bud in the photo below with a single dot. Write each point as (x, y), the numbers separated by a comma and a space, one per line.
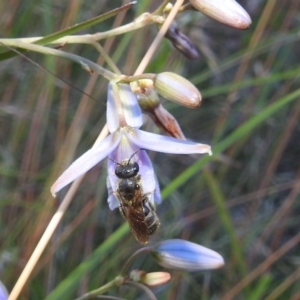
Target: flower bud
(156, 278)
(177, 89)
(181, 42)
(150, 279)
(147, 97)
(184, 255)
(228, 12)
(166, 122)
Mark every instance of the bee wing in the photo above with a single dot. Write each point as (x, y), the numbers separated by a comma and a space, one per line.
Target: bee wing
(138, 226)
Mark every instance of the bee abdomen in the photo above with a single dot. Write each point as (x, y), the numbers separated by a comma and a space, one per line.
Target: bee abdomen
(151, 220)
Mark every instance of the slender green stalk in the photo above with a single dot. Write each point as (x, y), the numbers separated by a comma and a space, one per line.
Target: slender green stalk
(92, 294)
(132, 258)
(86, 64)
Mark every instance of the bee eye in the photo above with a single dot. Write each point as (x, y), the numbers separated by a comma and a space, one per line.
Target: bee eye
(136, 167)
(118, 171)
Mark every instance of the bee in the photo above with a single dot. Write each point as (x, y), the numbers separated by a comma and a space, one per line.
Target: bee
(134, 204)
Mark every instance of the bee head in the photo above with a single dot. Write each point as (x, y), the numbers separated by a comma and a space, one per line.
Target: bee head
(128, 170)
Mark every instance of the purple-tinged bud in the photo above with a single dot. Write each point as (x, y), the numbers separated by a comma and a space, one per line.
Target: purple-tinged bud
(150, 279)
(181, 42)
(228, 12)
(186, 256)
(177, 89)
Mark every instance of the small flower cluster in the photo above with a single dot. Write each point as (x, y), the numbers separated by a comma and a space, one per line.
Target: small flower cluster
(124, 119)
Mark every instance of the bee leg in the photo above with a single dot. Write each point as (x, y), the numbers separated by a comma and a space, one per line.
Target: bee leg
(121, 209)
(146, 200)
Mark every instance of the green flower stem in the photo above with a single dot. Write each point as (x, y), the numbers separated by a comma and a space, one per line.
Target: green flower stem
(106, 57)
(111, 284)
(85, 63)
(142, 21)
(129, 79)
(133, 257)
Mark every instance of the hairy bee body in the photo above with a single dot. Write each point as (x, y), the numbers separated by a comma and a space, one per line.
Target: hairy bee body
(134, 204)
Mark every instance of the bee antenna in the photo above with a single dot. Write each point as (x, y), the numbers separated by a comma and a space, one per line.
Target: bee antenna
(134, 153)
(114, 161)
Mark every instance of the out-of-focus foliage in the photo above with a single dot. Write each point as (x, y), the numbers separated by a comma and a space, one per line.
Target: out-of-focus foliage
(244, 203)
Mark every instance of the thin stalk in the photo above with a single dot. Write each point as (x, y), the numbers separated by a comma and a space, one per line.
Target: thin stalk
(144, 288)
(85, 63)
(143, 64)
(92, 294)
(142, 21)
(132, 258)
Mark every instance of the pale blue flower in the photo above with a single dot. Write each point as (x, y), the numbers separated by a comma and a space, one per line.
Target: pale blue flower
(124, 118)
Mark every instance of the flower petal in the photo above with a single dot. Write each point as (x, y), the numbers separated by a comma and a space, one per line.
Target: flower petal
(112, 200)
(86, 161)
(131, 109)
(157, 194)
(112, 118)
(166, 144)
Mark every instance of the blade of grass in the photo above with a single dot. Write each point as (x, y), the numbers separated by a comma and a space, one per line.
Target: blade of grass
(260, 289)
(243, 130)
(223, 89)
(220, 202)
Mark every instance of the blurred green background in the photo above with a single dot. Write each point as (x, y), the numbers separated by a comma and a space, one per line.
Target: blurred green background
(243, 202)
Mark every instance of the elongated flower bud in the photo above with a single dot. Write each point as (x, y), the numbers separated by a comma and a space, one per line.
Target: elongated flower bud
(177, 89)
(184, 255)
(166, 122)
(156, 278)
(228, 12)
(152, 279)
(181, 42)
